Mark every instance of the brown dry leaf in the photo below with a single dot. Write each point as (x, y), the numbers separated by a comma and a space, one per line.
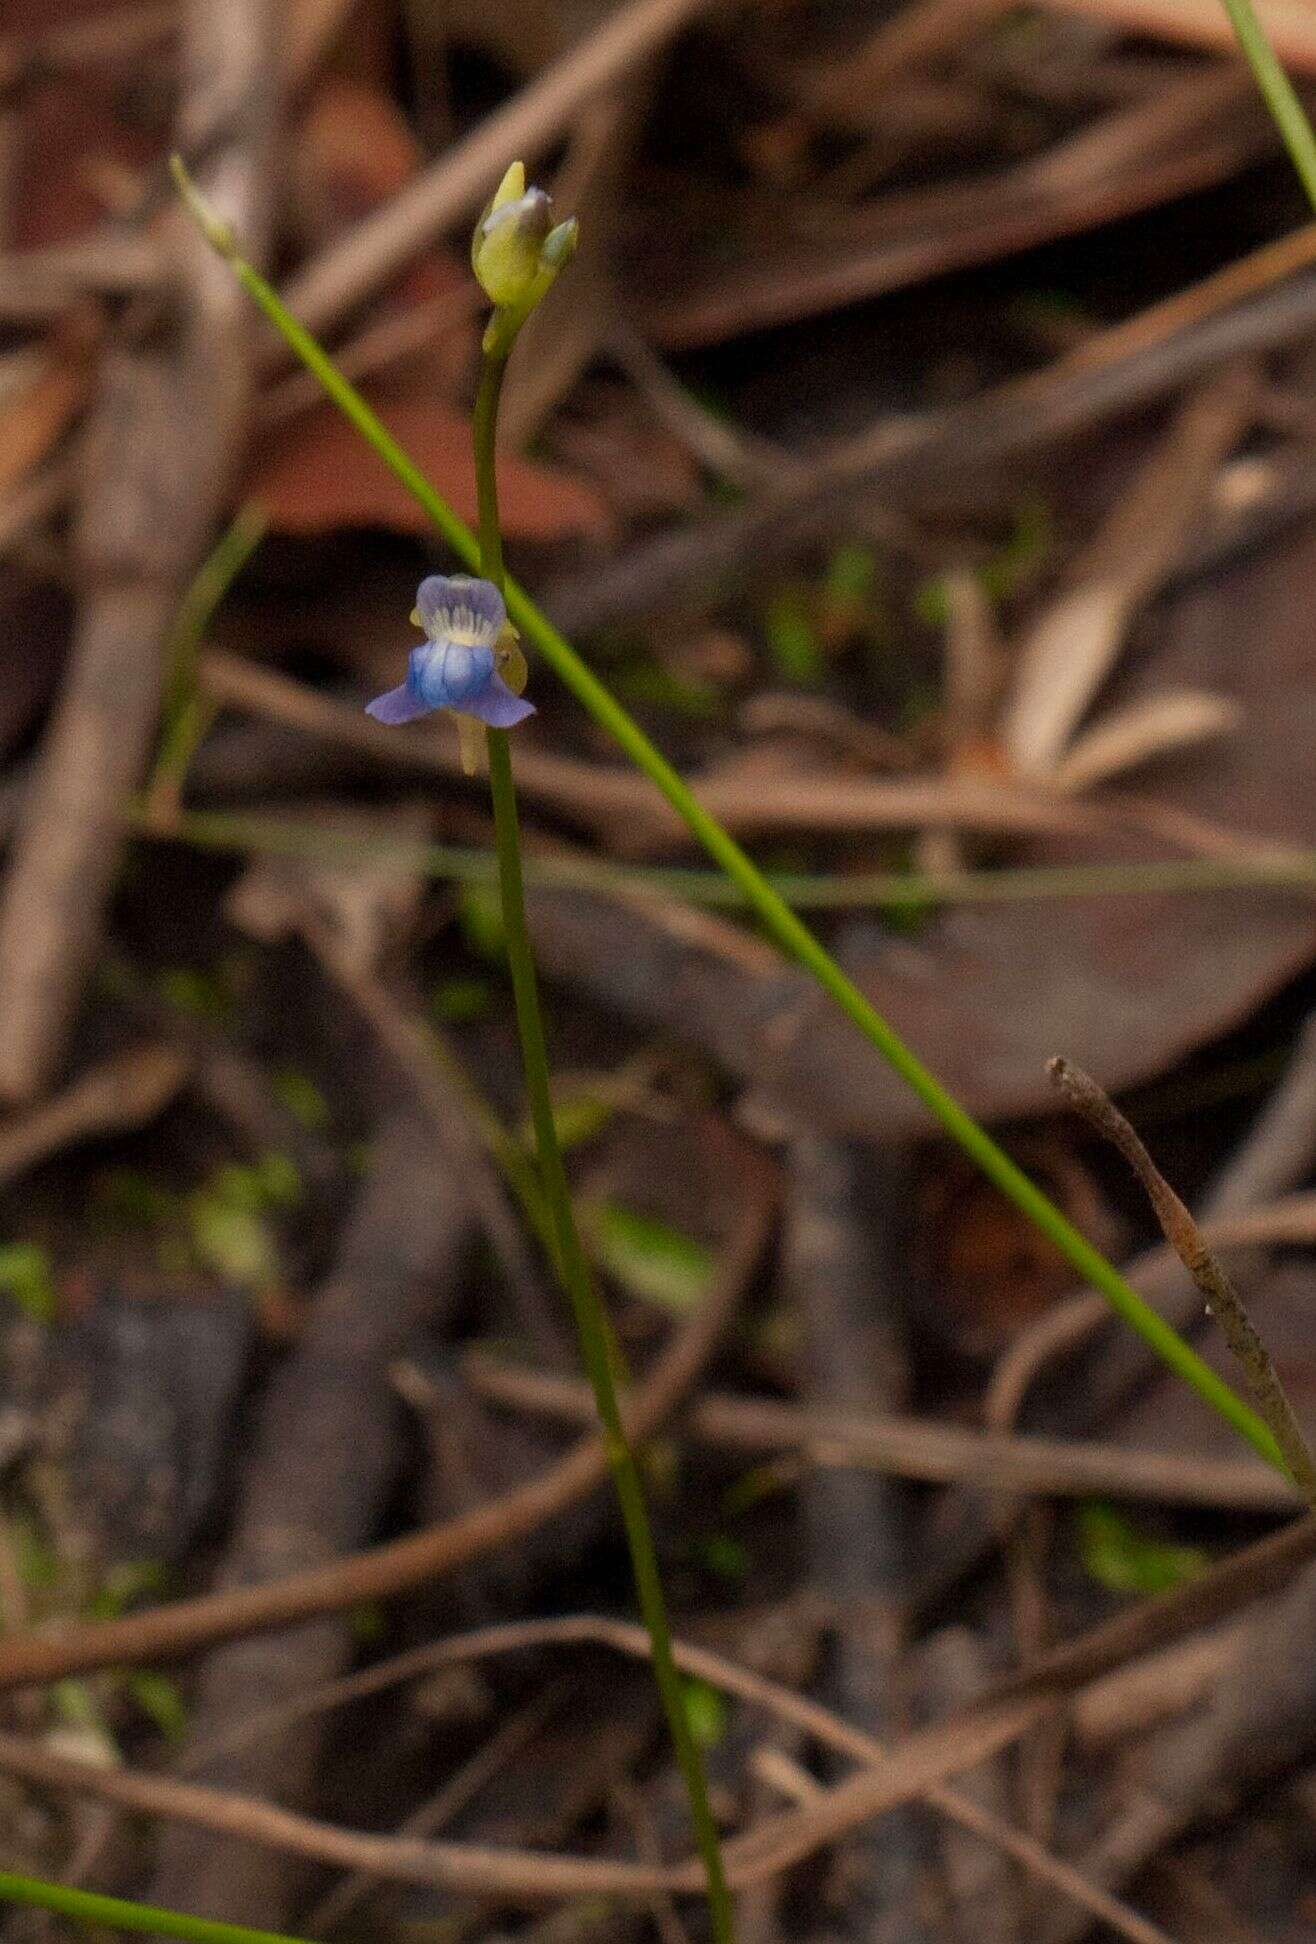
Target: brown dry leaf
(1127, 985)
(317, 476)
(42, 404)
(70, 133)
(986, 1269)
(1073, 645)
(352, 152)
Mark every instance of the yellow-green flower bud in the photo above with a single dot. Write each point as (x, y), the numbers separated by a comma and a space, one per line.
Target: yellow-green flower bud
(517, 251)
(505, 250)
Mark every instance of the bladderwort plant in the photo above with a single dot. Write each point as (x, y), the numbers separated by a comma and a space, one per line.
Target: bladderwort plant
(471, 663)
(775, 916)
(516, 257)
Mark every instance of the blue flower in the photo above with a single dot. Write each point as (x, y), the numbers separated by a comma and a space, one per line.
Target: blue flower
(454, 667)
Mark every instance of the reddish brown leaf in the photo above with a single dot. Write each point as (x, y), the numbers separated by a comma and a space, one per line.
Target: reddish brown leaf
(318, 475)
(354, 151)
(1125, 985)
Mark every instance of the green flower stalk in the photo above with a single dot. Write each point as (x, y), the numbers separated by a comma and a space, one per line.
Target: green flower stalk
(463, 666)
(516, 254)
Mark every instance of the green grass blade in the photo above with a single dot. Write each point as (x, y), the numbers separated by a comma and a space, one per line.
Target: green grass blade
(117, 1913)
(1287, 112)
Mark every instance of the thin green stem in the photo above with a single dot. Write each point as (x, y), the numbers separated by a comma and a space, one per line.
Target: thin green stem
(591, 1319)
(238, 830)
(776, 916)
(484, 432)
(116, 1913)
(1286, 110)
(185, 713)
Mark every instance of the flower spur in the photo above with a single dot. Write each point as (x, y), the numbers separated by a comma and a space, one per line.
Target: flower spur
(455, 667)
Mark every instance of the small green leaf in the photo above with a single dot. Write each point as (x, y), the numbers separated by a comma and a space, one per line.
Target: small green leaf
(191, 990)
(1019, 562)
(723, 1555)
(303, 1099)
(456, 1002)
(649, 1258)
(233, 1242)
(648, 684)
(160, 1700)
(39, 1564)
(706, 1710)
(127, 1198)
(793, 640)
(76, 1706)
(931, 603)
(125, 1584)
(580, 1117)
(25, 1277)
(851, 575)
(1124, 1560)
(278, 1180)
(481, 917)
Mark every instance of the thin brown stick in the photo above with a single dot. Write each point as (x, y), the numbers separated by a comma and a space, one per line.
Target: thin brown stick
(127, 1090)
(454, 186)
(923, 1759)
(731, 1678)
(1189, 1244)
(533, 1876)
(1289, 25)
(447, 1803)
(621, 804)
(160, 441)
(1260, 301)
(524, 1875)
(910, 1447)
(382, 1572)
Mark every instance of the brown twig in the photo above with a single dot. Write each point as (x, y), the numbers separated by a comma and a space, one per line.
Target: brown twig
(456, 185)
(1262, 301)
(525, 1876)
(1189, 1244)
(1262, 1714)
(1183, 136)
(126, 1090)
(1290, 29)
(622, 805)
(922, 1448)
(162, 1796)
(445, 1805)
(1239, 1214)
(159, 448)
